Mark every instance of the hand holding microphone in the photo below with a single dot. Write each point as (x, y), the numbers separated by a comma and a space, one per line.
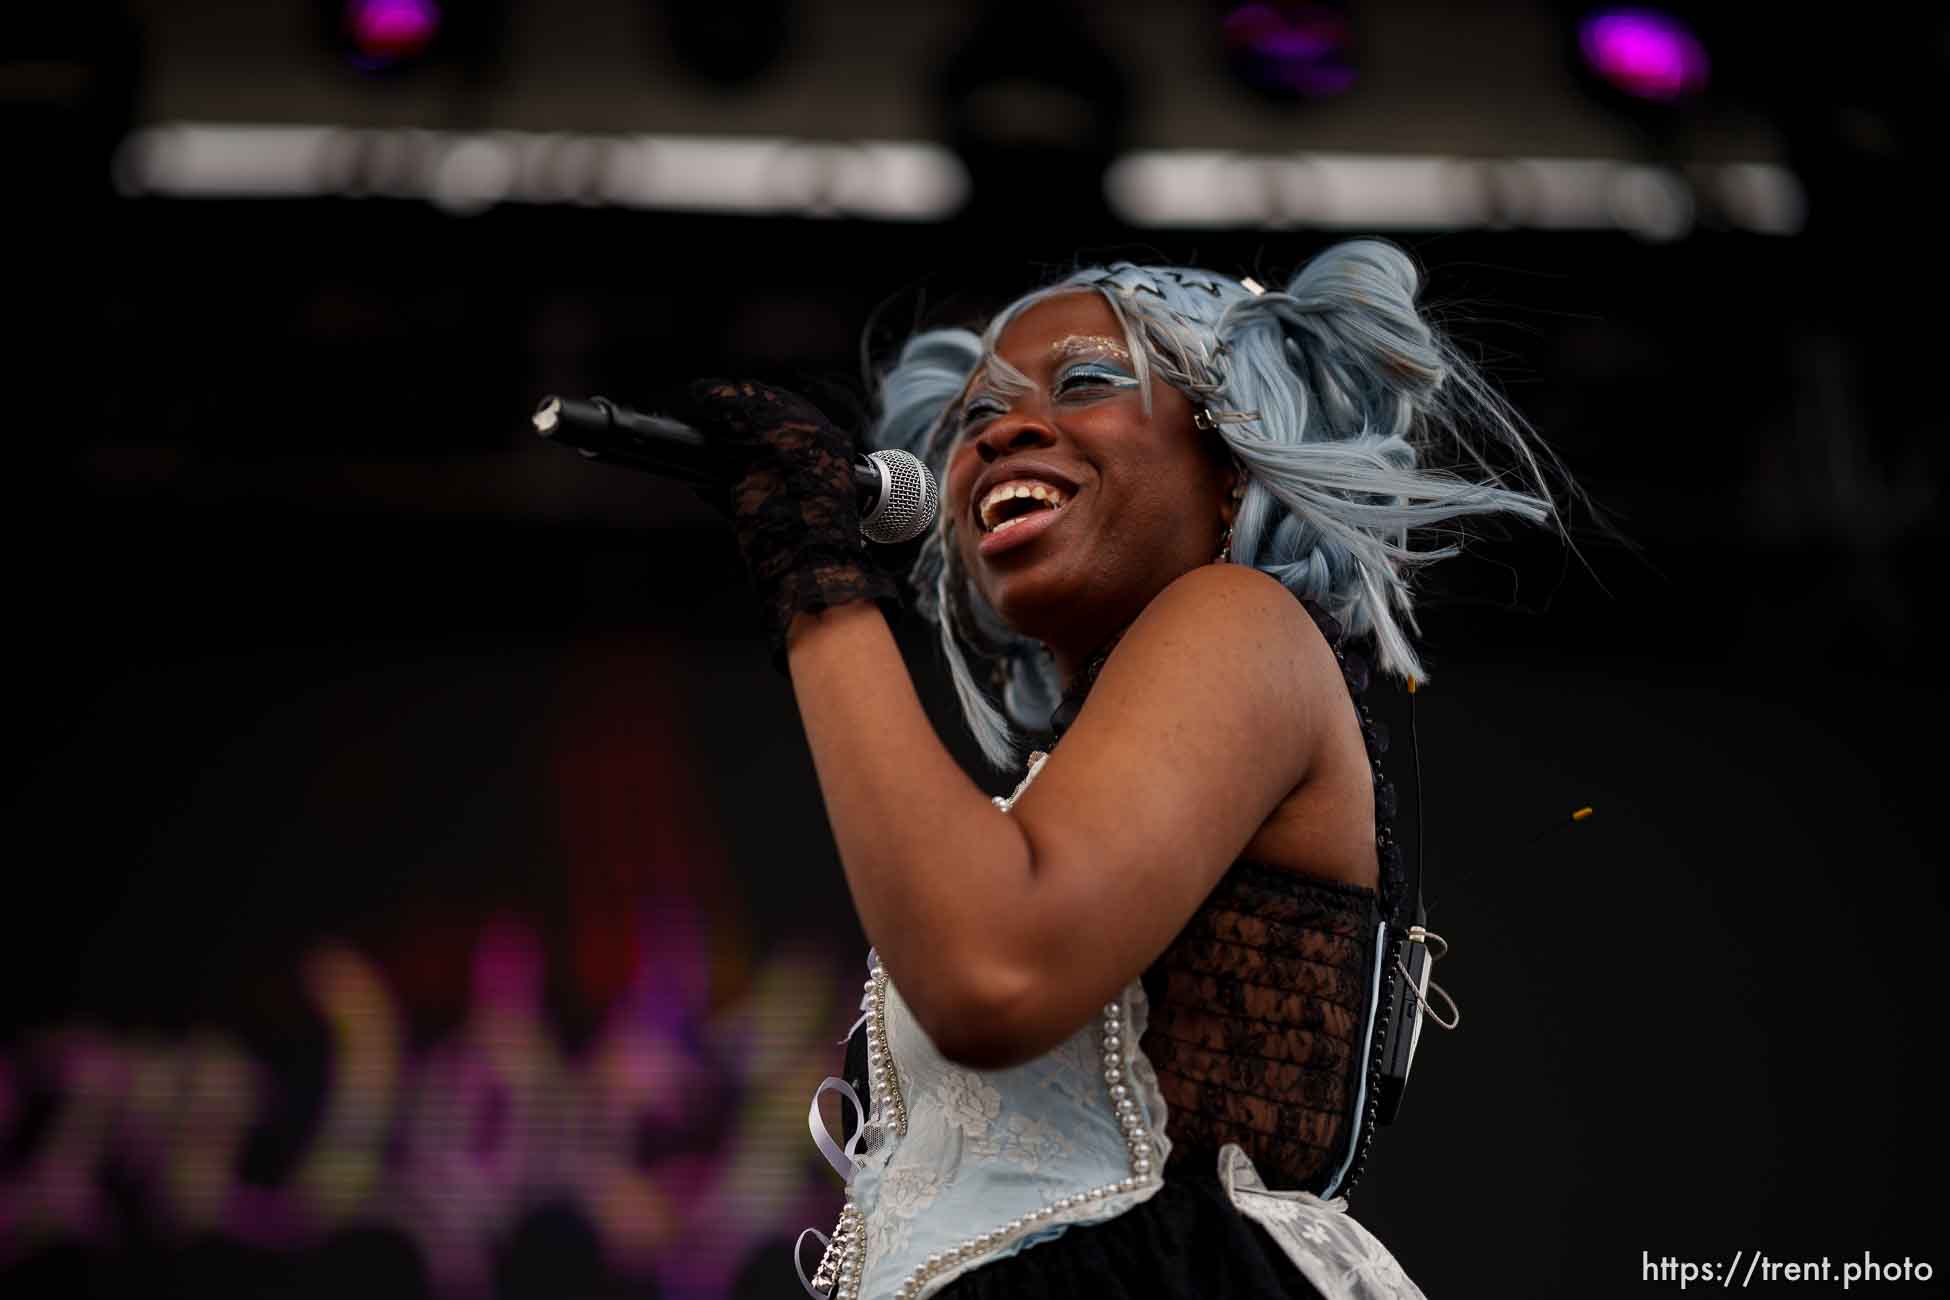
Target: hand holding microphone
(897, 496)
(795, 488)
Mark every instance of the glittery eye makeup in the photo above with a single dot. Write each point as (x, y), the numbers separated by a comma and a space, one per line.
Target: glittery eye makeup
(1085, 366)
(1089, 375)
(1100, 362)
(977, 411)
(1096, 345)
(982, 403)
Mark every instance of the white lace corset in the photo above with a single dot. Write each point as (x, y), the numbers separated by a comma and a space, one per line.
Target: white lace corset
(959, 1167)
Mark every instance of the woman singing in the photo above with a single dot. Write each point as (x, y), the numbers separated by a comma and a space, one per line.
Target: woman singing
(1120, 1027)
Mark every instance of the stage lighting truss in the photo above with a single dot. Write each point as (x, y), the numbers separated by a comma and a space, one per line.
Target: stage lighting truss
(887, 180)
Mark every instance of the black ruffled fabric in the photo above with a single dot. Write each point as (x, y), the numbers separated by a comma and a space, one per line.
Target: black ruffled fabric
(1257, 1012)
(1187, 1240)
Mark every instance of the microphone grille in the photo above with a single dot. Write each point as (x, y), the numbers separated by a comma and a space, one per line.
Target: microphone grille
(909, 499)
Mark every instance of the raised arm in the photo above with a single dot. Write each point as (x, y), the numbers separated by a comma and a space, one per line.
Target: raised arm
(1006, 932)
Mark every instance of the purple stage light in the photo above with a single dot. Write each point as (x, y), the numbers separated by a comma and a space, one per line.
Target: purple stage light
(385, 32)
(1290, 49)
(1644, 53)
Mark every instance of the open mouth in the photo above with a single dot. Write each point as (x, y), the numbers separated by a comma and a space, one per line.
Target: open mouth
(1008, 504)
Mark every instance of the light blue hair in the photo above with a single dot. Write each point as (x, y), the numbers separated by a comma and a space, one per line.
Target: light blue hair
(1354, 420)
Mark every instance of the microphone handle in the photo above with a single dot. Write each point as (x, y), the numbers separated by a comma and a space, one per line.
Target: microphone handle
(655, 444)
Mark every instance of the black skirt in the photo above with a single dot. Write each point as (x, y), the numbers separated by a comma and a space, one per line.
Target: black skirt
(1186, 1241)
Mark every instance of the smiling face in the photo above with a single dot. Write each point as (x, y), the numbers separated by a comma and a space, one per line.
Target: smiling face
(1113, 503)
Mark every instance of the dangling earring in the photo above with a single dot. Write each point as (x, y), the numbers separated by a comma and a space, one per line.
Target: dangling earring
(1225, 543)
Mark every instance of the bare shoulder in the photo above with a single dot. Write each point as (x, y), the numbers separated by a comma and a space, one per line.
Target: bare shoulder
(1244, 591)
(1224, 663)
(1237, 615)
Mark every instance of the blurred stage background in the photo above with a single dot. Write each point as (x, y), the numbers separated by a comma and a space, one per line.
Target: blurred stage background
(417, 881)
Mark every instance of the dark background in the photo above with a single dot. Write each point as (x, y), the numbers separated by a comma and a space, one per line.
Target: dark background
(331, 676)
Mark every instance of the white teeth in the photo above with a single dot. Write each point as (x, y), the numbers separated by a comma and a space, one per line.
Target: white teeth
(1007, 524)
(1019, 488)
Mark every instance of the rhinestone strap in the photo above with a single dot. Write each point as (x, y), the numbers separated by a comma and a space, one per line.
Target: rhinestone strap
(845, 1255)
(1036, 760)
(884, 1086)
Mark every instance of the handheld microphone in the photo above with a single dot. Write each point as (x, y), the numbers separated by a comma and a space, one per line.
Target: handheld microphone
(899, 498)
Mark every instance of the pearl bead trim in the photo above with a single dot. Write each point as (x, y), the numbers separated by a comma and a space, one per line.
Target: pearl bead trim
(883, 1080)
(840, 1264)
(1137, 1138)
(844, 1258)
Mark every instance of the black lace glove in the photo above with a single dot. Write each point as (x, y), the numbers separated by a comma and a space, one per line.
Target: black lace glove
(787, 483)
